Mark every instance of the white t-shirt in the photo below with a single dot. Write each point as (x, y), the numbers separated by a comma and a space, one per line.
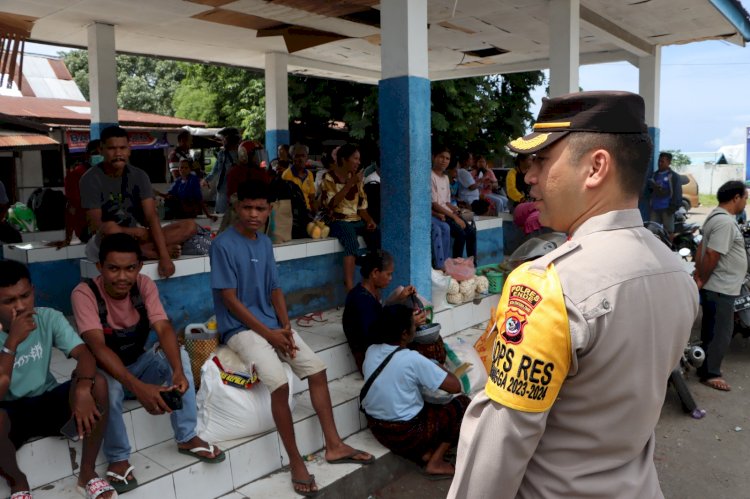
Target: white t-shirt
(441, 189)
(466, 180)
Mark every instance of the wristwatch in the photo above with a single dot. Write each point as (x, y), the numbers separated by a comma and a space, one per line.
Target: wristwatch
(8, 351)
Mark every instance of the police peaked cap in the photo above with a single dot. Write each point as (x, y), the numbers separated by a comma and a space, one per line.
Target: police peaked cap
(598, 112)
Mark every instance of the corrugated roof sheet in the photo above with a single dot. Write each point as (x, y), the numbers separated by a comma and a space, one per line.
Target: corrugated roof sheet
(66, 111)
(25, 140)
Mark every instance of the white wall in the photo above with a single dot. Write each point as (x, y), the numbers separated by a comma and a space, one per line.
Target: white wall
(710, 177)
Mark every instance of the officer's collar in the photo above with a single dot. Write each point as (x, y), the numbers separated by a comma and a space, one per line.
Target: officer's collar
(618, 219)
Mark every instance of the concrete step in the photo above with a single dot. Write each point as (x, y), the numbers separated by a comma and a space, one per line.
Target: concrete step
(253, 463)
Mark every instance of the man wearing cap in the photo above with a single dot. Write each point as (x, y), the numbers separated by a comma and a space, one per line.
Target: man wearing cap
(587, 335)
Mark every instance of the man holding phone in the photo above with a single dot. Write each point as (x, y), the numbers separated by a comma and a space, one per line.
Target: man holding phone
(115, 313)
(32, 402)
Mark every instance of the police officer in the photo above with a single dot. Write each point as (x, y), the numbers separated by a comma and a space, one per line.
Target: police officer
(588, 334)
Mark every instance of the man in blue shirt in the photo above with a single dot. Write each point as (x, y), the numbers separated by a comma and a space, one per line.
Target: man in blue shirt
(252, 317)
(666, 193)
(32, 402)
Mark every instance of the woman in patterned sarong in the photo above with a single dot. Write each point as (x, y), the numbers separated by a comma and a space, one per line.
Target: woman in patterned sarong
(397, 414)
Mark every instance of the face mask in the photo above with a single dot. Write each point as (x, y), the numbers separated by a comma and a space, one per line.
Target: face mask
(95, 159)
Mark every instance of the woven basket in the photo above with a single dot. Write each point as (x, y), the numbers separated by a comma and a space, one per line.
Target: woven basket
(199, 347)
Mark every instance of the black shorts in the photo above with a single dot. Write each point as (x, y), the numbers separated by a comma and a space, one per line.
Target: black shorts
(40, 416)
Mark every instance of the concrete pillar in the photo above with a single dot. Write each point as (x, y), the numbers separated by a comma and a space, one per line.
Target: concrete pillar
(649, 83)
(564, 35)
(102, 77)
(404, 106)
(277, 102)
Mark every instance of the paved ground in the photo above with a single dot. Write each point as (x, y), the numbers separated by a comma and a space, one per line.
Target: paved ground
(696, 459)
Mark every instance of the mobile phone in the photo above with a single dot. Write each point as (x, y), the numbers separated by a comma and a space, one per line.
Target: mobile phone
(70, 430)
(173, 399)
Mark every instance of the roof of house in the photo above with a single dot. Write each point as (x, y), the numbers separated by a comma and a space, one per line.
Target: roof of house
(58, 112)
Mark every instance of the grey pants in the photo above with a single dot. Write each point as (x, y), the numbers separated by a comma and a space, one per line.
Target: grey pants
(716, 330)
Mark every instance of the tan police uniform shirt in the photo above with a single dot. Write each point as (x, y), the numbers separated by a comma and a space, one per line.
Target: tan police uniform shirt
(630, 307)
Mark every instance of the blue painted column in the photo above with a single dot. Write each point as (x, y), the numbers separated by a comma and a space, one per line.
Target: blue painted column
(649, 83)
(102, 77)
(404, 105)
(277, 102)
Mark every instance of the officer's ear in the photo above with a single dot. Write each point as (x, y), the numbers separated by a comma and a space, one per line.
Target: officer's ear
(600, 167)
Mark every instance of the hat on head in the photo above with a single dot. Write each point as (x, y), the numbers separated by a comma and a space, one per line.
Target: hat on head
(597, 112)
(228, 131)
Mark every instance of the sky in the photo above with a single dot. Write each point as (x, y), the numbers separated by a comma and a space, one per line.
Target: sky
(704, 101)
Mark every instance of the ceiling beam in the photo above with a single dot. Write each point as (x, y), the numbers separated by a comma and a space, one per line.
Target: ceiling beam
(534, 65)
(613, 33)
(344, 71)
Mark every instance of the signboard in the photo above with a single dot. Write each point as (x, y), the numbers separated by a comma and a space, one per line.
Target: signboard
(77, 140)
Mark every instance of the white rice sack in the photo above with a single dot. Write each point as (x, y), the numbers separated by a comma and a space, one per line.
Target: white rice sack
(468, 296)
(453, 287)
(483, 284)
(467, 286)
(455, 298)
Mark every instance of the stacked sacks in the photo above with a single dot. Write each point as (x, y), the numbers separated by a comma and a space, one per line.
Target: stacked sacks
(466, 290)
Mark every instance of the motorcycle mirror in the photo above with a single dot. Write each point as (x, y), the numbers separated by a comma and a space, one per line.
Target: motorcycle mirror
(684, 252)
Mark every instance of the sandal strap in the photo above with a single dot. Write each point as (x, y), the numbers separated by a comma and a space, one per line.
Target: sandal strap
(209, 449)
(121, 478)
(98, 486)
(22, 494)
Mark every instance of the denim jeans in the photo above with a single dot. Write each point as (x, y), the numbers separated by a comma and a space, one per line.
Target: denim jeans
(441, 242)
(153, 368)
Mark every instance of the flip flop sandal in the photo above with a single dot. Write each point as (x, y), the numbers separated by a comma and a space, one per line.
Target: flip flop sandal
(22, 494)
(350, 459)
(96, 487)
(436, 476)
(210, 449)
(120, 483)
(717, 384)
(307, 320)
(308, 482)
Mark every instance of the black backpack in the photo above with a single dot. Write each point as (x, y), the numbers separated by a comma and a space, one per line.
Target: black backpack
(48, 206)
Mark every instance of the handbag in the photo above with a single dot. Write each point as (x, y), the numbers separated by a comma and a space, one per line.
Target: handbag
(466, 215)
(375, 374)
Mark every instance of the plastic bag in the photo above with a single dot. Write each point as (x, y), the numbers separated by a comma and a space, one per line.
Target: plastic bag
(440, 283)
(226, 412)
(459, 352)
(486, 342)
(460, 269)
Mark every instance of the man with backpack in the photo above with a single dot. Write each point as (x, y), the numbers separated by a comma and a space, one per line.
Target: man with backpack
(115, 313)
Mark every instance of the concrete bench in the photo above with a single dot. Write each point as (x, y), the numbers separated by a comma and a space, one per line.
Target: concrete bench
(50, 463)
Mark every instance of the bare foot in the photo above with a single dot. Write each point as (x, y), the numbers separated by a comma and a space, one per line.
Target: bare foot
(439, 468)
(175, 250)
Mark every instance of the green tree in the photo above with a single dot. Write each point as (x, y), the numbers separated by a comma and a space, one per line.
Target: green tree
(143, 83)
(679, 158)
(481, 114)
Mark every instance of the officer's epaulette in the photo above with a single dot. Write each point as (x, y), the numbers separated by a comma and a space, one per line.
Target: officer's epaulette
(541, 263)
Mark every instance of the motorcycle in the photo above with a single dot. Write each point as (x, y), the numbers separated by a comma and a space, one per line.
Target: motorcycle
(686, 234)
(693, 355)
(742, 302)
